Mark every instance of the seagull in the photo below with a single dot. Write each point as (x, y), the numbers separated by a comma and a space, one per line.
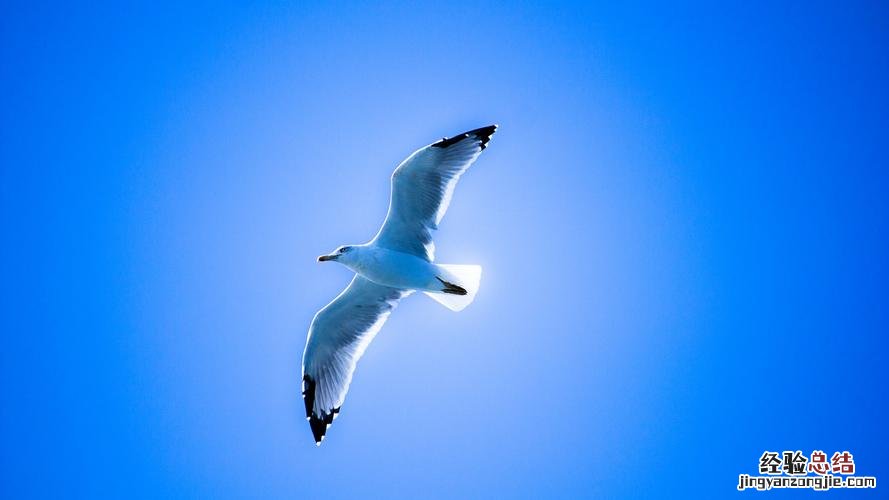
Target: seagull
(394, 264)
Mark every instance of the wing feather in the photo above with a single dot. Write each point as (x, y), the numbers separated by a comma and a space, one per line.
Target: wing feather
(422, 187)
(338, 336)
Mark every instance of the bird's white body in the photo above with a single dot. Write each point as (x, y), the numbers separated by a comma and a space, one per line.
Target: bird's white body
(392, 268)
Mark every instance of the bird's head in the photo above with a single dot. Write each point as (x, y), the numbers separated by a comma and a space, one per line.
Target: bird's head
(337, 254)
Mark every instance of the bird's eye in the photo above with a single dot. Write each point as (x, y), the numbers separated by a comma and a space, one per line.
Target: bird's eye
(343, 249)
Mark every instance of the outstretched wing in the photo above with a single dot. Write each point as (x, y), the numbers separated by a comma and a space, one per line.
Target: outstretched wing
(422, 186)
(339, 334)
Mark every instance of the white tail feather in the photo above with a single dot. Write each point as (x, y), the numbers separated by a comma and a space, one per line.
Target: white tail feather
(467, 277)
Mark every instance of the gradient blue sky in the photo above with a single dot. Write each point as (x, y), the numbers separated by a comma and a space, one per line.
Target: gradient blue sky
(683, 220)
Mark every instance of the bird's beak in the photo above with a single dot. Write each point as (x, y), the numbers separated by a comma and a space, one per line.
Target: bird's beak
(326, 257)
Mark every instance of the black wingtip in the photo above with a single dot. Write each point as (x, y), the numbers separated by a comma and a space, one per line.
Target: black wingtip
(318, 424)
(484, 134)
(308, 394)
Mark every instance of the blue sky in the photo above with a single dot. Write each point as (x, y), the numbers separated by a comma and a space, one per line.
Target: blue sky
(682, 220)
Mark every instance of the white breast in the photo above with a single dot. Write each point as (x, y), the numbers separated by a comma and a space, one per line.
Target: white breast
(396, 269)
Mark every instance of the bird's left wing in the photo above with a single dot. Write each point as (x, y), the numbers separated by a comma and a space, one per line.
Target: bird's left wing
(422, 186)
(339, 334)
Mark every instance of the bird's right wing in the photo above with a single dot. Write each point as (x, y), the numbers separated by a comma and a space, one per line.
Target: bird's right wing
(339, 334)
(422, 187)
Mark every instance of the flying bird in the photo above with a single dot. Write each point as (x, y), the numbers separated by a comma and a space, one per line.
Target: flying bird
(394, 264)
